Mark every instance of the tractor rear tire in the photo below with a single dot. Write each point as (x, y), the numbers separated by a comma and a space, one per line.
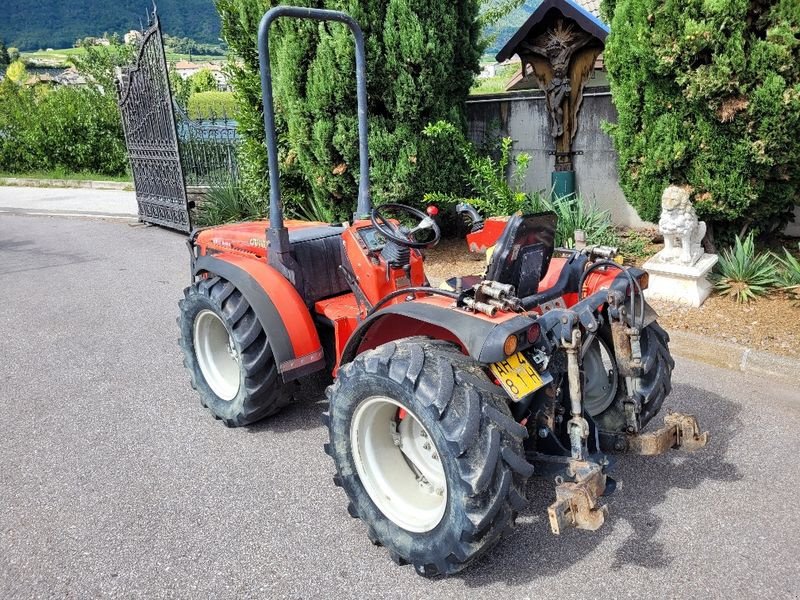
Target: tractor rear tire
(655, 383)
(417, 397)
(228, 355)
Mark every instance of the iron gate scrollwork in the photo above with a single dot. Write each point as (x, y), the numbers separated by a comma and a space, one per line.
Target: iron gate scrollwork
(151, 137)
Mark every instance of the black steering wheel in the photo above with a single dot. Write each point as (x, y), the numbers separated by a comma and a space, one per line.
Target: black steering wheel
(400, 234)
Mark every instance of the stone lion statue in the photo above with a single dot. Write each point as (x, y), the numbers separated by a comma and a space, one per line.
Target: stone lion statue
(680, 227)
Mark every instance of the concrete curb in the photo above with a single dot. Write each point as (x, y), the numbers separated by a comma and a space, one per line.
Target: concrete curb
(720, 353)
(67, 183)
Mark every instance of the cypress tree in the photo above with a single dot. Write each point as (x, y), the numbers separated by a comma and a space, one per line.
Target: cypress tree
(421, 59)
(708, 94)
(4, 58)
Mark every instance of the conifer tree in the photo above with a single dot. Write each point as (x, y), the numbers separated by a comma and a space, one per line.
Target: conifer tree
(421, 59)
(708, 94)
(4, 58)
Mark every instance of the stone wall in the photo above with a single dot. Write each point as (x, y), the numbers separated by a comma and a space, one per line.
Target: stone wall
(522, 116)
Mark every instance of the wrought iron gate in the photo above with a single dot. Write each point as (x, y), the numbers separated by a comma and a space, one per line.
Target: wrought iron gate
(148, 119)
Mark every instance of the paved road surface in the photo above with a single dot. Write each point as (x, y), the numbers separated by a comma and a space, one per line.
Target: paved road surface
(67, 201)
(114, 481)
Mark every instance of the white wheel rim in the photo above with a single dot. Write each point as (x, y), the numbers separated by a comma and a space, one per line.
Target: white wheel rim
(216, 354)
(399, 464)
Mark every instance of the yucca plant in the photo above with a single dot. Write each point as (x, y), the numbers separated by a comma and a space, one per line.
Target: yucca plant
(309, 208)
(573, 213)
(744, 275)
(227, 203)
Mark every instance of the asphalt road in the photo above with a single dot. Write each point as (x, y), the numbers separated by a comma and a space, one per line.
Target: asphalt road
(115, 482)
(67, 201)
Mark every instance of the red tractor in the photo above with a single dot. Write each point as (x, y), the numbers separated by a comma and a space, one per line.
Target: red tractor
(444, 401)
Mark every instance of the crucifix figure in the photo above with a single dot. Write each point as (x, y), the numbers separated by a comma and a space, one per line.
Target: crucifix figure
(557, 46)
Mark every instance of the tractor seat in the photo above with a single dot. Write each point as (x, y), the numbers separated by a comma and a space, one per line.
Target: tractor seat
(521, 255)
(523, 252)
(318, 251)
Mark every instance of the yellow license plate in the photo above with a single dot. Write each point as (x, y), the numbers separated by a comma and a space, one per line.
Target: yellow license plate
(517, 376)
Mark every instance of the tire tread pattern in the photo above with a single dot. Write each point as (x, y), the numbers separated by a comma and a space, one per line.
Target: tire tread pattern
(481, 434)
(264, 392)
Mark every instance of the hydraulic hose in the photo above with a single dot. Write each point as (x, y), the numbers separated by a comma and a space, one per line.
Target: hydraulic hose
(633, 282)
(411, 290)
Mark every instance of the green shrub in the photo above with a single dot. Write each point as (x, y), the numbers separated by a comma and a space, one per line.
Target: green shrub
(203, 81)
(65, 128)
(227, 203)
(69, 129)
(494, 193)
(708, 94)
(744, 274)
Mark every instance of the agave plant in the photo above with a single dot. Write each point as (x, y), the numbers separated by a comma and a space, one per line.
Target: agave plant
(309, 208)
(789, 273)
(744, 275)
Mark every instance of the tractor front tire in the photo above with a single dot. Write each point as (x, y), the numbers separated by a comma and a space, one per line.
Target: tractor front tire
(427, 452)
(228, 355)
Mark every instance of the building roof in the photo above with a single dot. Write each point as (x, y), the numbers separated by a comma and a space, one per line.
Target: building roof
(185, 65)
(591, 6)
(583, 12)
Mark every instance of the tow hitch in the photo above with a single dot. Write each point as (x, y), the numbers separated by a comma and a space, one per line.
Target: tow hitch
(577, 501)
(679, 431)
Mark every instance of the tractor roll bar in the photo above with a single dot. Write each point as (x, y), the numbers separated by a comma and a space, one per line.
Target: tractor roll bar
(316, 14)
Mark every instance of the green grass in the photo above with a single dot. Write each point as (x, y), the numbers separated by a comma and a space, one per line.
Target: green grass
(496, 84)
(66, 176)
(218, 58)
(59, 56)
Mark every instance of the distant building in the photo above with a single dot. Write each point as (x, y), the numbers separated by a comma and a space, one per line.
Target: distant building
(133, 37)
(71, 77)
(186, 69)
(41, 79)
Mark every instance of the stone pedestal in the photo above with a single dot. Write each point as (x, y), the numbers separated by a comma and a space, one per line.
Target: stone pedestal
(679, 283)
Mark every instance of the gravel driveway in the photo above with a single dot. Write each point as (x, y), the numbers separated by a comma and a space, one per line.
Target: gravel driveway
(114, 481)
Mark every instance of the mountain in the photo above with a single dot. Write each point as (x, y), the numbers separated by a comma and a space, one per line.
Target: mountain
(503, 30)
(39, 24)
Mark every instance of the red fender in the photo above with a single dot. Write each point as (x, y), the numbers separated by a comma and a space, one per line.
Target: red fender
(282, 312)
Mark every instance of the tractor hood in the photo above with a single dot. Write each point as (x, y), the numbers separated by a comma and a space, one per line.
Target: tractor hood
(248, 238)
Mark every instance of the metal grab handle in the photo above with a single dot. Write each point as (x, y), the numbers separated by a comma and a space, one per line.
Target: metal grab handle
(316, 14)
